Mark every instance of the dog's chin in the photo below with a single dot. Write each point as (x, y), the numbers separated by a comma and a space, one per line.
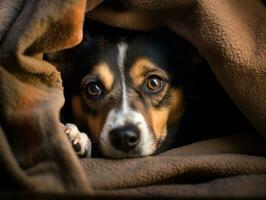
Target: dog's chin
(110, 152)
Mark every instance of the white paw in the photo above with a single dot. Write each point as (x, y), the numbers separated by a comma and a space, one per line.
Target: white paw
(80, 141)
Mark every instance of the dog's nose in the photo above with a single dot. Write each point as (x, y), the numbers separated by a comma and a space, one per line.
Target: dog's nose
(125, 138)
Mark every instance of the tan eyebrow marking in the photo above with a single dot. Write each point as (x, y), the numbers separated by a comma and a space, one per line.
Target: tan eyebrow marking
(106, 75)
(138, 69)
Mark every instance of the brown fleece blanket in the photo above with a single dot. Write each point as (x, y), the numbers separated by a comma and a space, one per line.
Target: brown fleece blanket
(35, 155)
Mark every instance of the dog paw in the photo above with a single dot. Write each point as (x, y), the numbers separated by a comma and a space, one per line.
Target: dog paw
(80, 141)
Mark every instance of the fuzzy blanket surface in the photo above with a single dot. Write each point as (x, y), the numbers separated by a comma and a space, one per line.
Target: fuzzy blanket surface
(35, 155)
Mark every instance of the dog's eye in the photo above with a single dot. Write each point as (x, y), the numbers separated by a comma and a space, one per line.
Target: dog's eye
(94, 89)
(154, 83)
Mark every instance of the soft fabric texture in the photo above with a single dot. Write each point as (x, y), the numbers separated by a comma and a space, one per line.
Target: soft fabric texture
(35, 154)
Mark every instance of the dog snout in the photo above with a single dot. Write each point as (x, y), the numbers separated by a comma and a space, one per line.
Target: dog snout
(125, 138)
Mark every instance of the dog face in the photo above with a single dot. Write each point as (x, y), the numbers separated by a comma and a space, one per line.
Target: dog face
(129, 99)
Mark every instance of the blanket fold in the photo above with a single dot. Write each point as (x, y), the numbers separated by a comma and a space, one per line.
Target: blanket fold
(35, 154)
(33, 147)
(195, 163)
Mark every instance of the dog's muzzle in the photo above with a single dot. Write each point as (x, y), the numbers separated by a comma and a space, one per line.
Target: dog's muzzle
(126, 134)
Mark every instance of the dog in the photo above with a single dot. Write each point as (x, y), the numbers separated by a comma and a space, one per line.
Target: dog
(130, 93)
(126, 93)
(134, 94)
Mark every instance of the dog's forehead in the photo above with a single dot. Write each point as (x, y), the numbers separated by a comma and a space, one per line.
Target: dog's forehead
(109, 56)
(148, 49)
(135, 50)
